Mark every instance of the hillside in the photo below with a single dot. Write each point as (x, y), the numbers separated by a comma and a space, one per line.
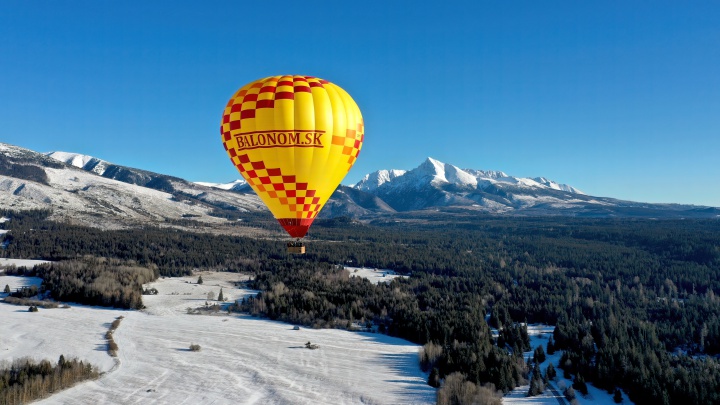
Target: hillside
(116, 197)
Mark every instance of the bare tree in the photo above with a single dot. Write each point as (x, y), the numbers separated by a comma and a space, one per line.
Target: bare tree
(429, 354)
(458, 391)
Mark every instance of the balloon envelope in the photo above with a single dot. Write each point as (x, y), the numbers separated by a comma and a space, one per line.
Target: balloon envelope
(293, 139)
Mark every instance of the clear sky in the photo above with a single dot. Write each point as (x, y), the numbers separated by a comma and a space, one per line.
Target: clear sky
(617, 98)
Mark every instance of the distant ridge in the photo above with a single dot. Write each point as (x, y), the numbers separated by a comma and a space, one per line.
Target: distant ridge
(438, 186)
(92, 191)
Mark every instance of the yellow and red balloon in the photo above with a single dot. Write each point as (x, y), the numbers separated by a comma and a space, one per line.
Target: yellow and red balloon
(293, 139)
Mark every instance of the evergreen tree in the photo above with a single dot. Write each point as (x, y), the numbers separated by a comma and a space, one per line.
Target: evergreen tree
(7, 289)
(550, 372)
(579, 384)
(200, 280)
(569, 394)
(434, 378)
(220, 296)
(537, 386)
(551, 346)
(618, 396)
(539, 355)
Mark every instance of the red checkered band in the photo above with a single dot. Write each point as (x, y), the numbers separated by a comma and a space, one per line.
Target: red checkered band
(263, 94)
(296, 196)
(351, 143)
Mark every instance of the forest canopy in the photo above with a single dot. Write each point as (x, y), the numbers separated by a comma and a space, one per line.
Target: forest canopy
(634, 301)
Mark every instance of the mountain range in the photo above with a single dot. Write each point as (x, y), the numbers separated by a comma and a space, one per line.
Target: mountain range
(88, 190)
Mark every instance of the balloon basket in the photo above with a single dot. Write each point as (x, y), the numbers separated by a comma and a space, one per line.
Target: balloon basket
(296, 248)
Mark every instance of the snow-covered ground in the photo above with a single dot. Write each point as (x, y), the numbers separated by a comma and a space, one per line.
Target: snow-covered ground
(18, 282)
(3, 220)
(20, 262)
(539, 335)
(243, 360)
(374, 275)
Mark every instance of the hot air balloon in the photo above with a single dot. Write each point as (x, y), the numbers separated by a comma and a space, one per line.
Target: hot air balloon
(293, 139)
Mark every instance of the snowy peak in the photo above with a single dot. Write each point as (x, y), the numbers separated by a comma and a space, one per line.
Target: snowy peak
(445, 173)
(232, 186)
(376, 179)
(486, 174)
(556, 186)
(80, 161)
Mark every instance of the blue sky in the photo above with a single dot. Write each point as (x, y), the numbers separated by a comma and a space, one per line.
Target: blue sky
(619, 99)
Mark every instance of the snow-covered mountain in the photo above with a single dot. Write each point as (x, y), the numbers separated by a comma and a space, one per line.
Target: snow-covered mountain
(87, 190)
(80, 161)
(93, 192)
(376, 179)
(237, 185)
(441, 174)
(436, 185)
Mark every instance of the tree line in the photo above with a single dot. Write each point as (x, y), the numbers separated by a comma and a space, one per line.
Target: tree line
(26, 380)
(90, 281)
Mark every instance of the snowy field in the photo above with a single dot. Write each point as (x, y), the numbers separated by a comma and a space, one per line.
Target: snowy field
(539, 335)
(20, 263)
(243, 360)
(18, 282)
(374, 275)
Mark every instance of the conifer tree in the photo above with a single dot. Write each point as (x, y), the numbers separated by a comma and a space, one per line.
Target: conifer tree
(220, 296)
(579, 384)
(551, 346)
(550, 372)
(618, 396)
(537, 386)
